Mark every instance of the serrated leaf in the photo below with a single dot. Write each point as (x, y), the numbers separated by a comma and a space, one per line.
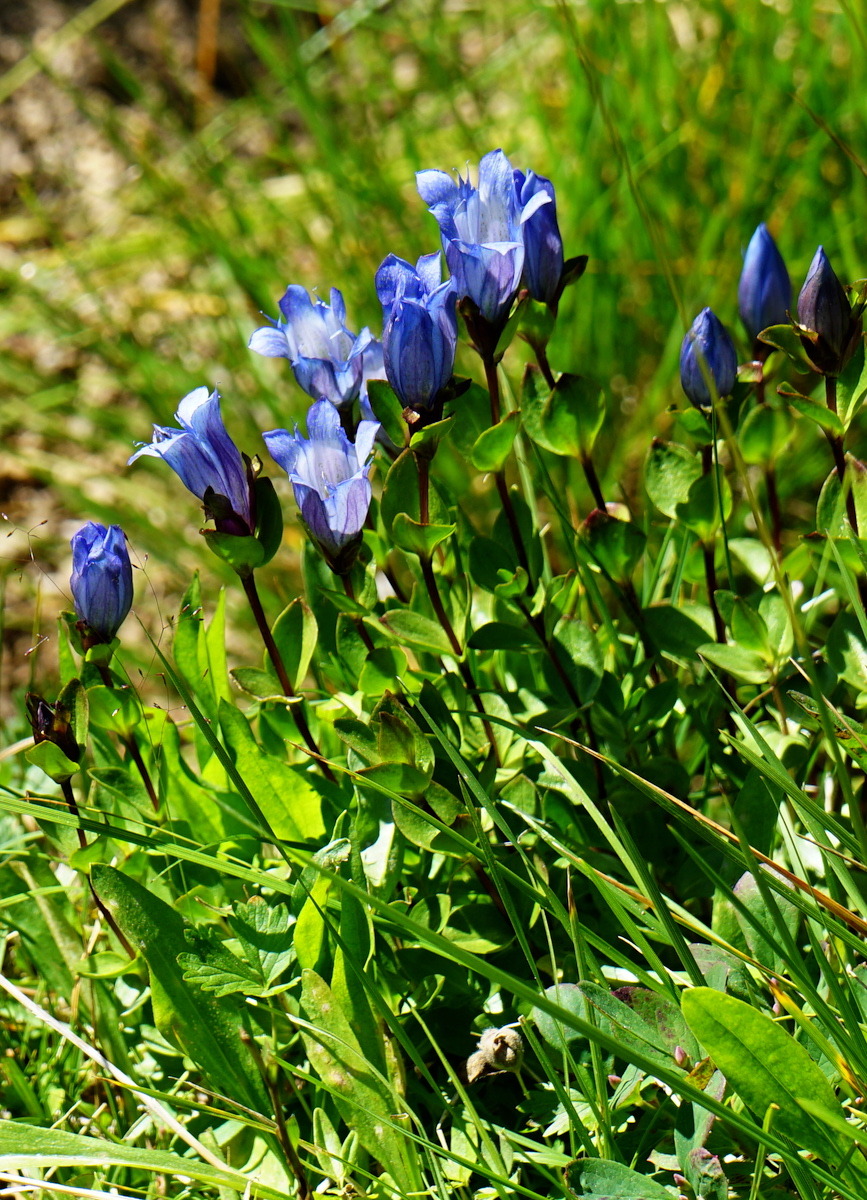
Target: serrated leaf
(263, 931)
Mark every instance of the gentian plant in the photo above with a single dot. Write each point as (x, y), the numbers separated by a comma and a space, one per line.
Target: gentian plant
(764, 289)
(708, 360)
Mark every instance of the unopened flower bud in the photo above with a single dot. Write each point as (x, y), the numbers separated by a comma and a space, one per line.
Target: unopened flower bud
(825, 312)
(707, 356)
(764, 290)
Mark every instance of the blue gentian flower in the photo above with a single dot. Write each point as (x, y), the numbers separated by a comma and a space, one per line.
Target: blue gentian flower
(707, 348)
(101, 579)
(207, 461)
(420, 329)
(764, 290)
(329, 476)
(481, 231)
(326, 358)
(543, 245)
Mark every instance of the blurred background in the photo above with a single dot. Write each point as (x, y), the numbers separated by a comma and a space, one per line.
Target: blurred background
(167, 167)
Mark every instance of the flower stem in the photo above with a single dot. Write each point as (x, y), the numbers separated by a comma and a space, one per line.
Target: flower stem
(544, 365)
(839, 454)
(279, 666)
(128, 740)
(359, 621)
(708, 550)
(72, 805)
(493, 383)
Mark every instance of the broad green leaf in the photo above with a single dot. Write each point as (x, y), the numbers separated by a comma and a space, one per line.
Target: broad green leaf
(295, 632)
(568, 418)
(493, 446)
(787, 339)
(661, 1014)
(604, 1179)
(34, 1148)
(413, 629)
(263, 931)
(269, 517)
(264, 685)
(679, 630)
(118, 709)
(832, 510)
(243, 554)
(289, 803)
(497, 635)
(701, 509)
(738, 661)
(387, 410)
(367, 1102)
(51, 759)
(416, 538)
(763, 434)
(669, 473)
(569, 997)
(577, 648)
(615, 545)
(208, 1030)
(820, 414)
(766, 1066)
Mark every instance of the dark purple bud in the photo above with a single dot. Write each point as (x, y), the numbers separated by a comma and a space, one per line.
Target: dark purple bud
(51, 723)
(707, 355)
(765, 290)
(824, 310)
(543, 245)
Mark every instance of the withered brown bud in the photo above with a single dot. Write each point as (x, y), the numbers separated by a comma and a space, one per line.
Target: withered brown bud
(499, 1050)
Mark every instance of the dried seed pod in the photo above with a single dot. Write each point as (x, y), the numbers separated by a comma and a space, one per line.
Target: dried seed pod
(499, 1050)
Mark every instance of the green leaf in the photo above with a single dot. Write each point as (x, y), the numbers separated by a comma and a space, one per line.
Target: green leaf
(577, 648)
(72, 703)
(365, 1100)
(264, 685)
(766, 1066)
(51, 759)
(748, 628)
(269, 518)
(286, 798)
(604, 1179)
(670, 471)
(382, 670)
(738, 661)
(263, 931)
(430, 435)
(831, 510)
(118, 709)
(295, 632)
(416, 538)
(31, 1148)
(700, 511)
(615, 545)
(565, 420)
(570, 997)
(820, 414)
(763, 434)
(679, 630)
(493, 446)
(243, 554)
(206, 1029)
(413, 629)
(497, 635)
(387, 409)
(787, 339)
(487, 559)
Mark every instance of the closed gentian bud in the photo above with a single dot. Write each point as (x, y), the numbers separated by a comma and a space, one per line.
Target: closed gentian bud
(825, 313)
(329, 476)
(420, 330)
(327, 360)
(707, 355)
(101, 581)
(543, 245)
(207, 462)
(764, 290)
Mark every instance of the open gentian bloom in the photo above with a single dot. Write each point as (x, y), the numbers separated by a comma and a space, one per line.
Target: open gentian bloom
(329, 476)
(481, 230)
(707, 350)
(420, 330)
(764, 290)
(208, 462)
(326, 358)
(101, 580)
(543, 245)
